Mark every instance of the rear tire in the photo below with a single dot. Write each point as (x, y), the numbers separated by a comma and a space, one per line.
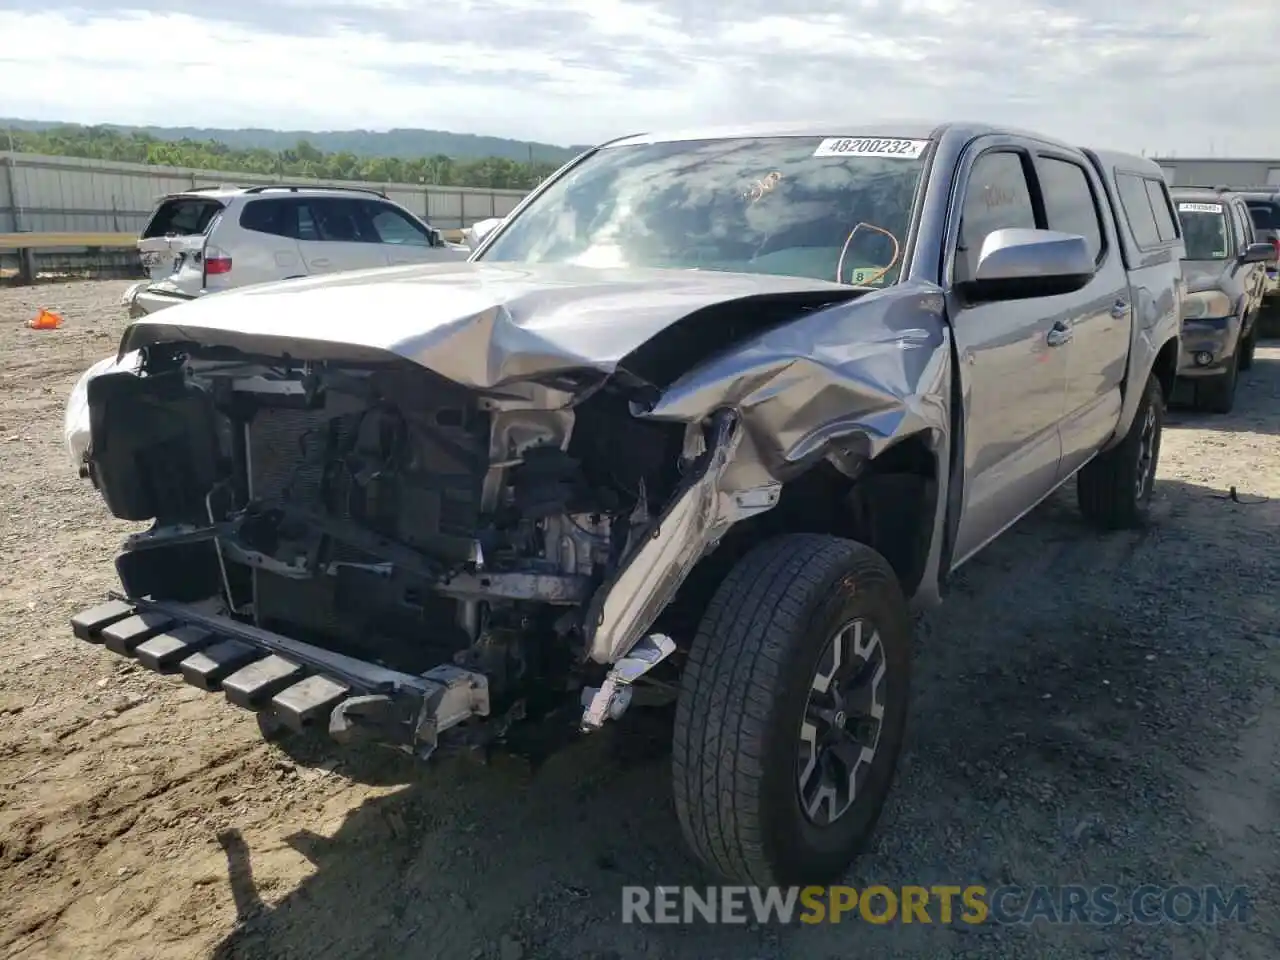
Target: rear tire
(1114, 489)
(801, 665)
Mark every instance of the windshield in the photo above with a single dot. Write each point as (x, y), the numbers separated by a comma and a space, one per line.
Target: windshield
(1204, 229)
(830, 209)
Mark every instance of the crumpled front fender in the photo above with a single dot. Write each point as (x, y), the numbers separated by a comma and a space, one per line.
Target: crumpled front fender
(852, 379)
(844, 383)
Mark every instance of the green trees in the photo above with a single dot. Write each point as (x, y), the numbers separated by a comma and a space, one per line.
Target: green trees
(300, 160)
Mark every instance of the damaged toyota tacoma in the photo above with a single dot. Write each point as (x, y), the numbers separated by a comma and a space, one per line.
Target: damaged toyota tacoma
(694, 426)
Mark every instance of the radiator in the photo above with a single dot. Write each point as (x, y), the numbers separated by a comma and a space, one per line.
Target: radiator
(276, 453)
(276, 460)
(444, 497)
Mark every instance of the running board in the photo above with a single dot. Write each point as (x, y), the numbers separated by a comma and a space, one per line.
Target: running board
(300, 685)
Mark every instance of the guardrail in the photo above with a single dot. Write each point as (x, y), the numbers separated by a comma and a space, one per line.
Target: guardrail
(65, 241)
(26, 245)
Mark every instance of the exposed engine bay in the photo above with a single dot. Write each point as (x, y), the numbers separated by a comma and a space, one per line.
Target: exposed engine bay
(499, 515)
(387, 514)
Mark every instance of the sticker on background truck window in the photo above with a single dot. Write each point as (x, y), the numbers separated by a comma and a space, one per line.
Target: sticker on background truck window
(1199, 208)
(897, 148)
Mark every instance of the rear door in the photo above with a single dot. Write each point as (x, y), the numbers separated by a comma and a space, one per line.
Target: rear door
(265, 245)
(1099, 317)
(335, 234)
(173, 241)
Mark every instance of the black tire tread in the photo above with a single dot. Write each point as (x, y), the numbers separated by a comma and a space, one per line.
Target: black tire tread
(734, 670)
(1248, 348)
(1105, 485)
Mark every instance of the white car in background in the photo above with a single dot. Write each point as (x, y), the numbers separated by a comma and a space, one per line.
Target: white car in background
(211, 239)
(474, 234)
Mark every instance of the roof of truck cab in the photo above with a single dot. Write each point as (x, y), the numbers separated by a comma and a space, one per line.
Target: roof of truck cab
(1201, 194)
(836, 127)
(1132, 162)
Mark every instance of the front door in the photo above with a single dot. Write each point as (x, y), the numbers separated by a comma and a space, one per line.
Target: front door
(404, 239)
(334, 234)
(1250, 276)
(1013, 363)
(1259, 274)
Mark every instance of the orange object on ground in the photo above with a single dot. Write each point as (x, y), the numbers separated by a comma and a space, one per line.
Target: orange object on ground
(45, 320)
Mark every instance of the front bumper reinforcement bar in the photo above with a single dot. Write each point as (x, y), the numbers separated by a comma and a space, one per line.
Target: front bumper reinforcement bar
(301, 685)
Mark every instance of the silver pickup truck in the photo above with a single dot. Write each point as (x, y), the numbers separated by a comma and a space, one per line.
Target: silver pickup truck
(693, 427)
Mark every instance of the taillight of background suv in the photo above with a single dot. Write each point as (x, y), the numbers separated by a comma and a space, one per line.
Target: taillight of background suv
(216, 262)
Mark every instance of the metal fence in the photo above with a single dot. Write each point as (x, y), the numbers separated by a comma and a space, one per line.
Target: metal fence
(67, 194)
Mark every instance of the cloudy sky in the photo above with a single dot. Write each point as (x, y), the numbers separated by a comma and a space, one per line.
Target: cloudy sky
(1161, 75)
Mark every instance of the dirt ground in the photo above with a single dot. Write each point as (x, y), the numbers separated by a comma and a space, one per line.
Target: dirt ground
(1091, 710)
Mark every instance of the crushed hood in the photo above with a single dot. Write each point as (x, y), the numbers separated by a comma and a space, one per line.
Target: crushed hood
(479, 324)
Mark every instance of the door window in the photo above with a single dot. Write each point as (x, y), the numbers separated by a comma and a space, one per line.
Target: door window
(1069, 202)
(1266, 216)
(1161, 208)
(340, 220)
(997, 198)
(307, 229)
(393, 226)
(276, 217)
(1136, 204)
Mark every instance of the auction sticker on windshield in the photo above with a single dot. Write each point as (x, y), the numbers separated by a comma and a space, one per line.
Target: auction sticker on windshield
(895, 147)
(1199, 208)
(862, 275)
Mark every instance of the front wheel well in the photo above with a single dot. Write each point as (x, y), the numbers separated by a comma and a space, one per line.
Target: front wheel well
(1165, 367)
(889, 506)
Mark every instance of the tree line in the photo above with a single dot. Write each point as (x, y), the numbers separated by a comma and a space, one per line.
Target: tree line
(301, 160)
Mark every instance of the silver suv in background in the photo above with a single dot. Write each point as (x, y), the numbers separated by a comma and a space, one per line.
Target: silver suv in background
(216, 238)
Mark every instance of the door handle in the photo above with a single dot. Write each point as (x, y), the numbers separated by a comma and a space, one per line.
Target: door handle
(1059, 334)
(1119, 309)
(320, 262)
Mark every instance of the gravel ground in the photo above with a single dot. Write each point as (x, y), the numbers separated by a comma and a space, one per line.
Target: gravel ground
(1088, 710)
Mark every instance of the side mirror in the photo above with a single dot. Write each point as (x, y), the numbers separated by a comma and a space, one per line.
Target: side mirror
(435, 237)
(1017, 263)
(475, 233)
(1258, 253)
